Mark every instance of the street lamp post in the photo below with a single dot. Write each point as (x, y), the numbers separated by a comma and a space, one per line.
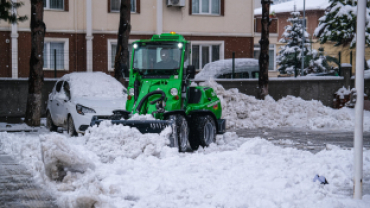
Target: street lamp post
(359, 108)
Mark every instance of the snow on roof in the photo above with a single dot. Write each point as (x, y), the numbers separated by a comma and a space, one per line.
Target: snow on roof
(94, 85)
(213, 69)
(289, 6)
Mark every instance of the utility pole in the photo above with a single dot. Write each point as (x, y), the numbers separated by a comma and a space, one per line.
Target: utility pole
(304, 34)
(359, 108)
(263, 78)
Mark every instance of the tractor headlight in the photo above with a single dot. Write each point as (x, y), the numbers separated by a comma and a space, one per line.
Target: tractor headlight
(131, 91)
(135, 46)
(82, 110)
(174, 92)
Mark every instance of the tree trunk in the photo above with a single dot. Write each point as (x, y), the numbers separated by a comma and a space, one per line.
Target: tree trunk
(263, 78)
(121, 61)
(36, 79)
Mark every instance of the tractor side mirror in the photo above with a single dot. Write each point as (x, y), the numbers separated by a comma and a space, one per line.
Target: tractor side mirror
(190, 70)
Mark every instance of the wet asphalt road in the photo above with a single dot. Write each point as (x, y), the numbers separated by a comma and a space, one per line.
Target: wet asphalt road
(313, 141)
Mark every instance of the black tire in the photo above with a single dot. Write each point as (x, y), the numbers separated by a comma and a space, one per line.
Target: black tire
(71, 127)
(181, 136)
(203, 130)
(49, 122)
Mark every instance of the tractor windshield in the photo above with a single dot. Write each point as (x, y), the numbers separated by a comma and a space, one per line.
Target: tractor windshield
(157, 58)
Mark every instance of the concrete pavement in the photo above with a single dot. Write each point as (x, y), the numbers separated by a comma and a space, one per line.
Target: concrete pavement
(17, 188)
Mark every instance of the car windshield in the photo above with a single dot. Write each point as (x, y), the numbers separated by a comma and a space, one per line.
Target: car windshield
(157, 58)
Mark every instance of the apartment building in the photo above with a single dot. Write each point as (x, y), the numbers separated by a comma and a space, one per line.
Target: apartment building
(81, 35)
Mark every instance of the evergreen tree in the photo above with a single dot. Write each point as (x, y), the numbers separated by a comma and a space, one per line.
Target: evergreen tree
(339, 23)
(289, 57)
(6, 11)
(318, 63)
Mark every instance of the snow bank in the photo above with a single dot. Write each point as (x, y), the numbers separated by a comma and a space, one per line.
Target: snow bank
(94, 85)
(237, 172)
(243, 111)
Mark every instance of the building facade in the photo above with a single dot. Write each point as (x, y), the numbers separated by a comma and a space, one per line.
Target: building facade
(81, 35)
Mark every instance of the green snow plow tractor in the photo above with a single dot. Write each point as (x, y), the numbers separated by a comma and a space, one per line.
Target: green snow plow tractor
(159, 84)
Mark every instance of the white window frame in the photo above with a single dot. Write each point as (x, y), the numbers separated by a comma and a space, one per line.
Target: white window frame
(210, 9)
(208, 43)
(110, 42)
(117, 11)
(47, 6)
(66, 51)
(274, 45)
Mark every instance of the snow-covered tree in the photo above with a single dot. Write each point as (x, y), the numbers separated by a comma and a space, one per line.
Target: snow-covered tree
(339, 23)
(289, 57)
(318, 63)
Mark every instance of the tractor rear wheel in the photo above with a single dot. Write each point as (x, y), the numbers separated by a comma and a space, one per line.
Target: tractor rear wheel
(181, 134)
(204, 130)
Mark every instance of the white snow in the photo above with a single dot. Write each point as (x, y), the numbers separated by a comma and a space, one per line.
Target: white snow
(214, 69)
(115, 166)
(243, 111)
(289, 6)
(94, 85)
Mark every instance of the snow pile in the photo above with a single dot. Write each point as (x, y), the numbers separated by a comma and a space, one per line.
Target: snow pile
(94, 84)
(343, 92)
(243, 111)
(214, 69)
(237, 172)
(111, 141)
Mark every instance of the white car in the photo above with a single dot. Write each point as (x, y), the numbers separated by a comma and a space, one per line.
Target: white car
(77, 97)
(245, 68)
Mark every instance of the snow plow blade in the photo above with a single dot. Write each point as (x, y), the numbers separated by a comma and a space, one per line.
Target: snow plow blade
(144, 126)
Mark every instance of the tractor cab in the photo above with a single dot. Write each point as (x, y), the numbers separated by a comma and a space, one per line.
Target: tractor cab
(160, 64)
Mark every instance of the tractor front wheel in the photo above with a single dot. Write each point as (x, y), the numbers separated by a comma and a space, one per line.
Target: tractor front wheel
(180, 135)
(204, 130)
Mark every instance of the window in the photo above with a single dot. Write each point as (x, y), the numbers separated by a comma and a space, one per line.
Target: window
(272, 56)
(56, 54)
(115, 5)
(206, 7)
(112, 48)
(54, 4)
(205, 52)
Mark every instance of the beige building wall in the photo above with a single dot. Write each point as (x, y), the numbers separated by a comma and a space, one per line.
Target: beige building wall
(238, 20)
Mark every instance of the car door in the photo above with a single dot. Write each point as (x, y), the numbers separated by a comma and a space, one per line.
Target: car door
(54, 104)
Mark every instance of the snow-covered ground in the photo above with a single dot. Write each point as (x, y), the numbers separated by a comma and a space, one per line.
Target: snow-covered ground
(115, 166)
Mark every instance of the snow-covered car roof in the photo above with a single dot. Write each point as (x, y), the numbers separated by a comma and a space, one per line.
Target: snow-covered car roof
(94, 85)
(214, 69)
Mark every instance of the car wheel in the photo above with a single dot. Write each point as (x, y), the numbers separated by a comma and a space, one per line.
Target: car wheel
(204, 130)
(180, 134)
(49, 123)
(71, 127)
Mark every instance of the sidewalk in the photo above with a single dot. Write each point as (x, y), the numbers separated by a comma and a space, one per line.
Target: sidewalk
(17, 189)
